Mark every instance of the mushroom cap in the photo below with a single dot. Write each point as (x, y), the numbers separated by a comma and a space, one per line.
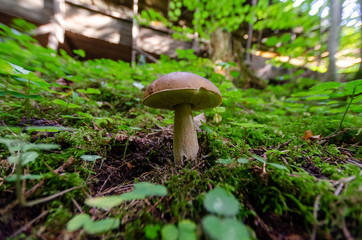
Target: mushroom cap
(179, 88)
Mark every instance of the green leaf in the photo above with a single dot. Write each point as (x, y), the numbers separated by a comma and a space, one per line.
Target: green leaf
(79, 52)
(276, 165)
(65, 104)
(28, 157)
(5, 67)
(313, 98)
(225, 161)
(101, 226)
(149, 189)
(248, 125)
(78, 222)
(47, 129)
(219, 201)
(60, 102)
(285, 38)
(224, 229)
(219, 109)
(106, 202)
(355, 85)
(326, 86)
(12, 178)
(141, 191)
(42, 146)
(34, 79)
(187, 230)
(169, 232)
(90, 158)
(279, 166)
(272, 41)
(151, 231)
(90, 91)
(242, 160)
(92, 227)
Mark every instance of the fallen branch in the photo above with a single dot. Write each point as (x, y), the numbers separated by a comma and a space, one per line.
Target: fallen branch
(26, 226)
(261, 222)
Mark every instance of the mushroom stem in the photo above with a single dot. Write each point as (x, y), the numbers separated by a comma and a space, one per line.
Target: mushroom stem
(185, 144)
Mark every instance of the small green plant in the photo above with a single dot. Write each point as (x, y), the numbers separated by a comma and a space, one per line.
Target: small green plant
(141, 191)
(85, 222)
(221, 203)
(185, 230)
(23, 153)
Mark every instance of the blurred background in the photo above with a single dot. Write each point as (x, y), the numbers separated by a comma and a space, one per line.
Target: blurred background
(259, 39)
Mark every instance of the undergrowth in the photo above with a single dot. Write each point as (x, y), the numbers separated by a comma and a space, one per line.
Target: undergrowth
(255, 146)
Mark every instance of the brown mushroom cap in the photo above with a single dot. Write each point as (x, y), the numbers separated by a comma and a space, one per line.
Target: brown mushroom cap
(179, 88)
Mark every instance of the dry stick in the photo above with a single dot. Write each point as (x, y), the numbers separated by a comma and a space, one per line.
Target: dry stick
(155, 205)
(100, 190)
(262, 223)
(26, 226)
(264, 164)
(51, 197)
(196, 166)
(315, 214)
(284, 144)
(347, 234)
(35, 187)
(77, 205)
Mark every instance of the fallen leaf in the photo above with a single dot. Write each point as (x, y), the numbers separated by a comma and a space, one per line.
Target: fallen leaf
(308, 136)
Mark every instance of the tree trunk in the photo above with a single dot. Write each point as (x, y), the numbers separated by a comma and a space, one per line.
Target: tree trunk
(359, 73)
(221, 44)
(335, 13)
(225, 49)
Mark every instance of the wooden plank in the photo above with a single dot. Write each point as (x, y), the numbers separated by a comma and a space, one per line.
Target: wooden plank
(159, 42)
(96, 25)
(97, 48)
(32, 10)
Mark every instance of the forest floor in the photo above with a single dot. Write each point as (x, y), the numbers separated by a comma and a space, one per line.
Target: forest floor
(82, 158)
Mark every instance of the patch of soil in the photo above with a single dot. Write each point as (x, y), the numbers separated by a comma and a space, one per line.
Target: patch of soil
(310, 167)
(130, 157)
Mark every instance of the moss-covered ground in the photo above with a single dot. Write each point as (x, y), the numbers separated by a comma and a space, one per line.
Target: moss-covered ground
(290, 155)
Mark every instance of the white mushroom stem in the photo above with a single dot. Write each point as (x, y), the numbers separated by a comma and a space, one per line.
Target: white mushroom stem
(185, 145)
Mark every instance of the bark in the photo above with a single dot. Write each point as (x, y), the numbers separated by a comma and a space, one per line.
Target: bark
(359, 73)
(250, 37)
(227, 49)
(335, 12)
(221, 44)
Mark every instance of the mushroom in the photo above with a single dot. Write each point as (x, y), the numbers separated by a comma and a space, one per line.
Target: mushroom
(183, 92)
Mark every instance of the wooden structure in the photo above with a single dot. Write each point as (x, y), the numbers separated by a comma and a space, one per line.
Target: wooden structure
(101, 33)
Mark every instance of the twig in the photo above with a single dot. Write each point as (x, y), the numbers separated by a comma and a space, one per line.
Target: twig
(151, 208)
(100, 190)
(200, 163)
(51, 197)
(264, 164)
(339, 189)
(77, 205)
(315, 214)
(347, 234)
(261, 222)
(284, 144)
(26, 226)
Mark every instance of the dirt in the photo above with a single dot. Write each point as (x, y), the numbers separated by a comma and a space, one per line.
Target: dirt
(132, 157)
